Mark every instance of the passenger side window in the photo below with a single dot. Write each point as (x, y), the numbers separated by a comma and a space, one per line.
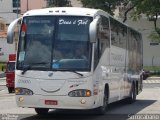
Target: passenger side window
(118, 34)
(104, 41)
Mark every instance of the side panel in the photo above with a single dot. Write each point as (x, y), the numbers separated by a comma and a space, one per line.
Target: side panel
(135, 64)
(118, 58)
(102, 58)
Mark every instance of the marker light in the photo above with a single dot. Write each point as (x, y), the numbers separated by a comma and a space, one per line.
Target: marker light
(80, 93)
(24, 27)
(21, 99)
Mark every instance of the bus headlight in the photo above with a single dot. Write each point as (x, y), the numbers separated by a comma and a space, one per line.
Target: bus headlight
(80, 93)
(23, 91)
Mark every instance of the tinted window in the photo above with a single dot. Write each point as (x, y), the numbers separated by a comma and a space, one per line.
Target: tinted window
(55, 43)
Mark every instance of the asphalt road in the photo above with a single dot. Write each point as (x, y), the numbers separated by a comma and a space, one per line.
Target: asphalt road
(148, 102)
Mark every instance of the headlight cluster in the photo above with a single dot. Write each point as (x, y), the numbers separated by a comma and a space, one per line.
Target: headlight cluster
(80, 93)
(23, 91)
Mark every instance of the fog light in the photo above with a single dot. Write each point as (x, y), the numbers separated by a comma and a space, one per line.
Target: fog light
(21, 99)
(83, 101)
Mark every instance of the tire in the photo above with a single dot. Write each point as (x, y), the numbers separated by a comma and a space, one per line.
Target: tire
(10, 90)
(102, 109)
(132, 97)
(41, 111)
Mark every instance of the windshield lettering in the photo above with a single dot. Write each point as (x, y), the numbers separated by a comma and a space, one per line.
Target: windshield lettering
(38, 21)
(82, 22)
(74, 22)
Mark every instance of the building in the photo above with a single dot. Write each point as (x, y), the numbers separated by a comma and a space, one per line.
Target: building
(7, 15)
(150, 47)
(151, 56)
(9, 6)
(76, 3)
(6, 49)
(3, 4)
(32, 4)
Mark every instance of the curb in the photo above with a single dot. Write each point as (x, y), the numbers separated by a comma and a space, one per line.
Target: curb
(3, 78)
(3, 81)
(2, 74)
(153, 78)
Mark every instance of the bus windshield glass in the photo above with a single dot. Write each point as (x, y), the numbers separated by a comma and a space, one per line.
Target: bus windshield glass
(55, 43)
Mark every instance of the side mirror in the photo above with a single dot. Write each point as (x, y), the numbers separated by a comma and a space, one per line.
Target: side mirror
(10, 32)
(93, 29)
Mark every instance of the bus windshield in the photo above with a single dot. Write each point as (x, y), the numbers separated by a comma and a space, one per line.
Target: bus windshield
(55, 43)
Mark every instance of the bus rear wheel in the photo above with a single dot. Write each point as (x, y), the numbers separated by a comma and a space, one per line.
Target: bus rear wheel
(41, 111)
(132, 97)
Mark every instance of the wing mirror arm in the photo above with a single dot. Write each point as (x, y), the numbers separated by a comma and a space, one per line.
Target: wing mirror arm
(93, 29)
(10, 32)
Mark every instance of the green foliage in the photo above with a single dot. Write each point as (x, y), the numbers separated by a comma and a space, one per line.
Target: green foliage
(147, 7)
(154, 37)
(2, 66)
(151, 68)
(106, 5)
(58, 3)
(151, 8)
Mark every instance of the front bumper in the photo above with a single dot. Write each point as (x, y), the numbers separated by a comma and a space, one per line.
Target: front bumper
(64, 102)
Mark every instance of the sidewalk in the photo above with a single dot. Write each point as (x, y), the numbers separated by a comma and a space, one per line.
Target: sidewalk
(2, 74)
(153, 78)
(3, 81)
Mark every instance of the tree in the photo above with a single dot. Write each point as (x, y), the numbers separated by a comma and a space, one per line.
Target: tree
(58, 3)
(150, 8)
(106, 5)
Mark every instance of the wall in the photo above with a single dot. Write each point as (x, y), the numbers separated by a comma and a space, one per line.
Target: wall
(76, 3)
(5, 49)
(32, 4)
(151, 53)
(6, 6)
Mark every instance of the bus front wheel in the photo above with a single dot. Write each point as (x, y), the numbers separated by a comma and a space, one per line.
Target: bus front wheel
(102, 109)
(41, 111)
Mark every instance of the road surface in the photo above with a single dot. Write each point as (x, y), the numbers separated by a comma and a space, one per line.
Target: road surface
(148, 102)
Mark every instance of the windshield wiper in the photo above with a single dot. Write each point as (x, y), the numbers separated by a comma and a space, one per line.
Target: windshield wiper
(27, 67)
(70, 71)
(39, 63)
(77, 73)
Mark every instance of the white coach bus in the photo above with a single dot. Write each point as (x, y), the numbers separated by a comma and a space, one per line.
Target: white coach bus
(75, 58)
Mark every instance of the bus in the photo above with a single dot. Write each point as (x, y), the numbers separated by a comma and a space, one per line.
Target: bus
(49, 75)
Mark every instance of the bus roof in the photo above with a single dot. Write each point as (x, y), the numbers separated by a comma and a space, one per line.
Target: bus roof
(75, 11)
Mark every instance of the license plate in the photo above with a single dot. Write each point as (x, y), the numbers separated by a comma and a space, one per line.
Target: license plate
(51, 102)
